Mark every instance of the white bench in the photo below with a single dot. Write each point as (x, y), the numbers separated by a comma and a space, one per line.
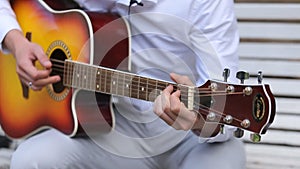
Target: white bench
(270, 42)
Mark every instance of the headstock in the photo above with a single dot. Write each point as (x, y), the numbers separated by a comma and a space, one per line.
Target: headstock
(247, 107)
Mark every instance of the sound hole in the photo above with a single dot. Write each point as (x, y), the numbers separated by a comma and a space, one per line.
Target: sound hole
(57, 58)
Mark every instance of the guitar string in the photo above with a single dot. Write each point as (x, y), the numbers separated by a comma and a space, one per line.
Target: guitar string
(197, 104)
(196, 96)
(154, 86)
(134, 87)
(124, 78)
(143, 84)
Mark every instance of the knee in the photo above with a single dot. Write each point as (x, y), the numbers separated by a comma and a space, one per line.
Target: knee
(24, 158)
(34, 155)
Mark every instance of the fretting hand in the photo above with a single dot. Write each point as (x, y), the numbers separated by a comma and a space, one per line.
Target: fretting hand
(170, 109)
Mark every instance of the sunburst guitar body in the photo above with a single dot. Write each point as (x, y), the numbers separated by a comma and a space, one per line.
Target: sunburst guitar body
(64, 35)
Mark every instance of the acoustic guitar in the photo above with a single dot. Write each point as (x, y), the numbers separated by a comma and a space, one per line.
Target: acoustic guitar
(83, 97)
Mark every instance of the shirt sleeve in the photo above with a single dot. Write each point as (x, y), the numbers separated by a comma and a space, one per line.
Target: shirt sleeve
(8, 21)
(215, 38)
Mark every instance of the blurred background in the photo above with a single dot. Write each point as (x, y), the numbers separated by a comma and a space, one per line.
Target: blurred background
(270, 42)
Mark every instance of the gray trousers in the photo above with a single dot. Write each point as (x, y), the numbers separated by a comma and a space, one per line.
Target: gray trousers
(53, 150)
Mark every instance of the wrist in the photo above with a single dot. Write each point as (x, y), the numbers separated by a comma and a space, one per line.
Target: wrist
(13, 40)
(205, 129)
(206, 133)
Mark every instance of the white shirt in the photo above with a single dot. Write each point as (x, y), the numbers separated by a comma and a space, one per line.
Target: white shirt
(197, 38)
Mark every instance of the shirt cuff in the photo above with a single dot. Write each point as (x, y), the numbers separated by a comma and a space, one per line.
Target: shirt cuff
(220, 137)
(11, 24)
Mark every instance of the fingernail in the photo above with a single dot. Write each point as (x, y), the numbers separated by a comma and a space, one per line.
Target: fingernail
(47, 63)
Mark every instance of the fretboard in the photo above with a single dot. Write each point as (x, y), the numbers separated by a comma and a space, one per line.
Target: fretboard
(99, 79)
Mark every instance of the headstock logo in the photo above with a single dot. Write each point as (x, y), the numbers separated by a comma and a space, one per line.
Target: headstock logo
(258, 108)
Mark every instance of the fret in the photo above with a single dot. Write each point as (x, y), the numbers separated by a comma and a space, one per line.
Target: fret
(138, 87)
(162, 85)
(152, 90)
(107, 82)
(127, 85)
(146, 90)
(121, 83)
(143, 88)
(83, 76)
(103, 80)
(70, 74)
(114, 83)
(120, 86)
(134, 87)
(98, 80)
(108, 79)
(184, 94)
(92, 76)
(76, 76)
(79, 77)
(88, 77)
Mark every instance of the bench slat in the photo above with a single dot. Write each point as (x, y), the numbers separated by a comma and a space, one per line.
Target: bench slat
(267, 11)
(269, 30)
(271, 67)
(272, 157)
(281, 87)
(275, 51)
(287, 122)
(288, 106)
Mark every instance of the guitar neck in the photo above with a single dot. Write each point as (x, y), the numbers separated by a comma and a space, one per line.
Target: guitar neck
(100, 79)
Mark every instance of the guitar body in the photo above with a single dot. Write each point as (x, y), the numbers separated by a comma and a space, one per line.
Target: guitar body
(69, 34)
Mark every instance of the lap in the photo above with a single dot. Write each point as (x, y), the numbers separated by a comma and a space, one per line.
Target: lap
(52, 149)
(195, 155)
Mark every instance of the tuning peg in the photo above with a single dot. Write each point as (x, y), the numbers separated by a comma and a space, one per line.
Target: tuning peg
(238, 133)
(242, 75)
(222, 130)
(226, 74)
(259, 77)
(255, 137)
